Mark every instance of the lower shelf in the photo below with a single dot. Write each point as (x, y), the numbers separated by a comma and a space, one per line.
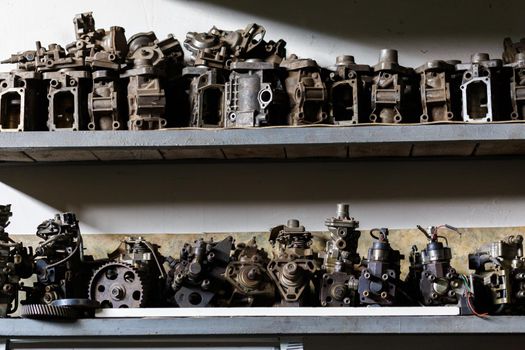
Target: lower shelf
(254, 326)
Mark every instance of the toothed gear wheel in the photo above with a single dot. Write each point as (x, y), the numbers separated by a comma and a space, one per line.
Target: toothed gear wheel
(117, 285)
(44, 311)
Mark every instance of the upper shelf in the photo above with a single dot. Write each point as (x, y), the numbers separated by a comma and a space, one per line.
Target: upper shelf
(269, 143)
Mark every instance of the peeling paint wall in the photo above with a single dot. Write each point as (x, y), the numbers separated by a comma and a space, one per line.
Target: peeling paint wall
(471, 238)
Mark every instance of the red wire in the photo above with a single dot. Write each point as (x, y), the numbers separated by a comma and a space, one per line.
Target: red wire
(483, 315)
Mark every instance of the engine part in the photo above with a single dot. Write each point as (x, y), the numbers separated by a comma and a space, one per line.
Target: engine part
(499, 275)
(219, 48)
(439, 89)
(133, 278)
(15, 264)
(46, 312)
(150, 62)
(196, 279)
(392, 90)
(306, 90)
(338, 285)
(67, 80)
(104, 52)
(206, 96)
(431, 276)
(512, 49)
(61, 268)
(349, 91)
(254, 95)
(294, 267)
(517, 87)
(247, 273)
(20, 95)
(379, 282)
(105, 101)
(484, 89)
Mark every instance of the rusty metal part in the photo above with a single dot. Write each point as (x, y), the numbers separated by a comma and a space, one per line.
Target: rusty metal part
(150, 61)
(247, 273)
(484, 88)
(104, 52)
(61, 268)
(105, 101)
(293, 268)
(431, 278)
(349, 93)
(219, 48)
(517, 87)
(500, 275)
(379, 282)
(512, 49)
(102, 49)
(206, 96)
(339, 282)
(307, 92)
(254, 95)
(439, 86)
(196, 279)
(15, 264)
(21, 101)
(392, 90)
(67, 96)
(67, 80)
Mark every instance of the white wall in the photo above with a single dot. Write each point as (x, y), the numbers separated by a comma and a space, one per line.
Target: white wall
(246, 197)
(252, 197)
(421, 30)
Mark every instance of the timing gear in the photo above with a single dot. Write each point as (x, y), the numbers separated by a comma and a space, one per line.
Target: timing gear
(117, 285)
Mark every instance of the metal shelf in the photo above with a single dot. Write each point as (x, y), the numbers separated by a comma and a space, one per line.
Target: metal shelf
(254, 326)
(267, 143)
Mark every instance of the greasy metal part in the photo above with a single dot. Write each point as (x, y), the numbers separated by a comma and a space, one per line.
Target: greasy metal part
(432, 279)
(438, 86)
(484, 89)
(196, 279)
(500, 275)
(118, 285)
(219, 48)
(135, 277)
(206, 96)
(379, 282)
(306, 90)
(254, 95)
(47, 312)
(349, 93)
(512, 49)
(339, 282)
(61, 268)
(392, 90)
(150, 61)
(517, 87)
(15, 264)
(294, 267)
(247, 273)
